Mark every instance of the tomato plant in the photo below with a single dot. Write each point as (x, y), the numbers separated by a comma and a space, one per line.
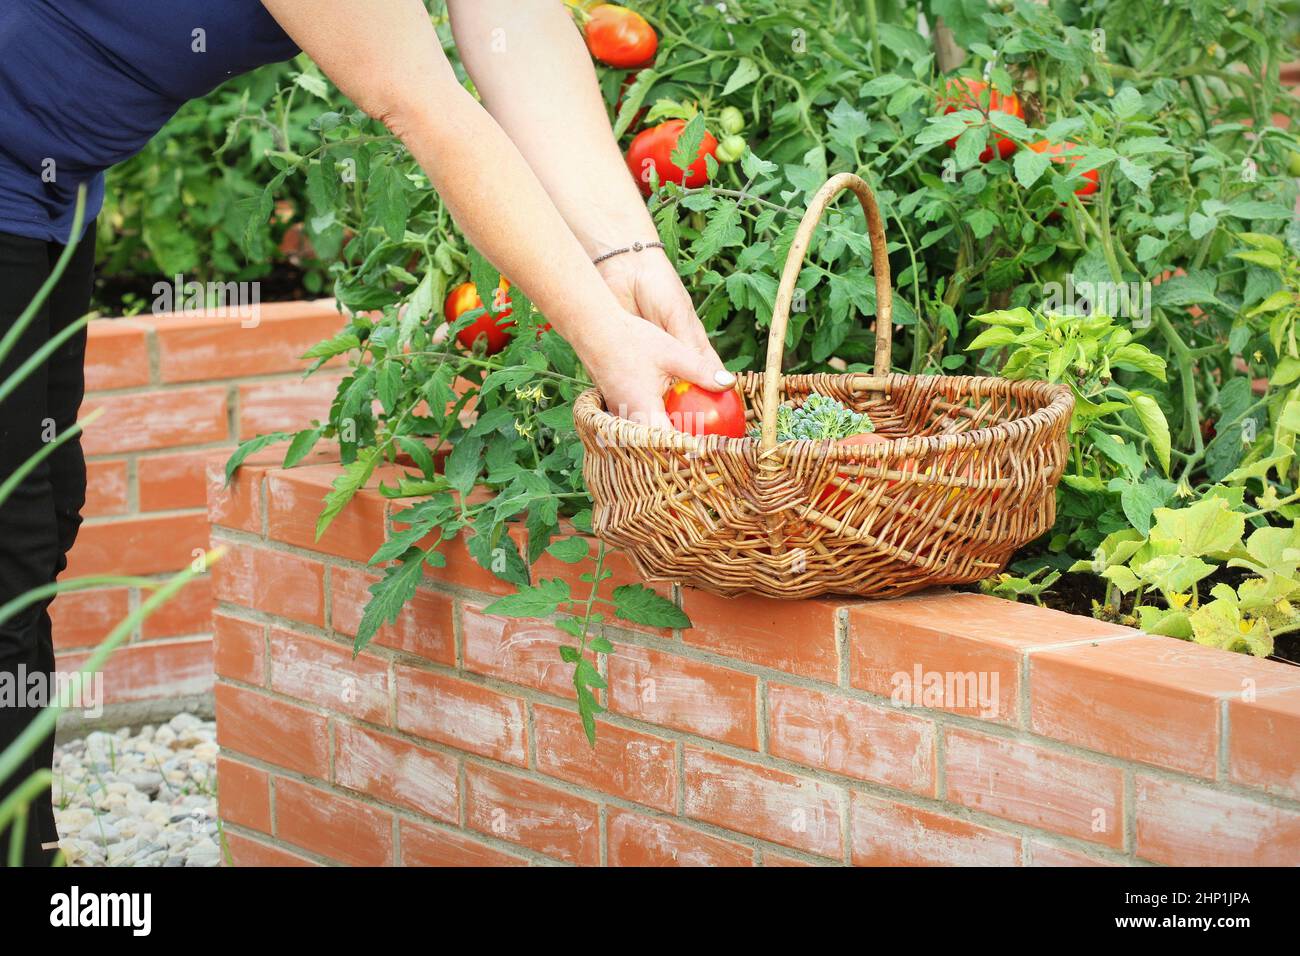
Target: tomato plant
(1058, 153)
(964, 93)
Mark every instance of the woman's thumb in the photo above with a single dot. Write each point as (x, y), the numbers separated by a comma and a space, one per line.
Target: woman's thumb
(705, 371)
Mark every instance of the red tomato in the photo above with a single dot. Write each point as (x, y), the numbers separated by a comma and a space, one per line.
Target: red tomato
(1054, 150)
(832, 495)
(619, 37)
(698, 411)
(464, 298)
(971, 472)
(964, 94)
(653, 149)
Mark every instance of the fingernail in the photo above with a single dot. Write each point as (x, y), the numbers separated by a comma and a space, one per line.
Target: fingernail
(724, 378)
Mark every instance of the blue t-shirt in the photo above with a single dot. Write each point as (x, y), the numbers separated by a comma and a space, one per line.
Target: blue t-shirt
(85, 84)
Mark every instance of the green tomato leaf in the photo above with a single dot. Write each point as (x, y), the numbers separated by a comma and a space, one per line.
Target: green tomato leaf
(569, 550)
(746, 72)
(640, 605)
(1154, 424)
(540, 600)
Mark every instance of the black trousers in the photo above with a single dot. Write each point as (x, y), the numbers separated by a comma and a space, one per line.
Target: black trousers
(39, 520)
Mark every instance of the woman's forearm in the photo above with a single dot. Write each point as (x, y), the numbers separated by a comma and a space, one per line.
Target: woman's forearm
(498, 203)
(392, 66)
(536, 78)
(385, 55)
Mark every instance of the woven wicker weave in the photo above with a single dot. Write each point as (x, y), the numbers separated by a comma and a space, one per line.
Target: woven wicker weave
(969, 475)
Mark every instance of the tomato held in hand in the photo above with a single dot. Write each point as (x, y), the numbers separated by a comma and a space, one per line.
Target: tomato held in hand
(464, 298)
(698, 411)
(653, 149)
(1059, 155)
(964, 94)
(619, 37)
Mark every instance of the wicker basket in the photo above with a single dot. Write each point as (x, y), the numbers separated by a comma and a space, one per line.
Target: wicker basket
(968, 476)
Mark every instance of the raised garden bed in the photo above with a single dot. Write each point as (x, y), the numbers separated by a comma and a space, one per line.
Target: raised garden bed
(176, 389)
(943, 728)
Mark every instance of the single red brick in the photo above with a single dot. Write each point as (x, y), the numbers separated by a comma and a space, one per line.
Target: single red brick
(462, 715)
(173, 481)
(423, 626)
(188, 612)
(850, 737)
(769, 804)
(684, 694)
(139, 421)
(239, 649)
(272, 581)
(1151, 699)
(199, 347)
(1181, 824)
(243, 794)
(960, 653)
(117, 354)
(285, 405)
(295, 499)
(106, 489)
(532, 815)
(625, 763)
(84, 618)
(324, 673)
(1263, 733)
(138, 545)
(1034, 786)
(639, 840)
(524, 652)
(885, 833)
(396, 772)
(1046, 854)
(262, 727)
(239, 504)
(333, 826)
(428, 846)
(244, 851)
(762, 633)
(154, 670)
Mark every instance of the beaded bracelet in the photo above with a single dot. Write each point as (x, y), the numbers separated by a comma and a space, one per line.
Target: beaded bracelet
(635, 247)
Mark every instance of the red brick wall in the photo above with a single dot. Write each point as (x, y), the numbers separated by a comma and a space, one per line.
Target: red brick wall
(176, 390)
(765, 735)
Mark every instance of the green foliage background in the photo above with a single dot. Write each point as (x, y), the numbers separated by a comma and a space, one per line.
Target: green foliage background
(1172, 103)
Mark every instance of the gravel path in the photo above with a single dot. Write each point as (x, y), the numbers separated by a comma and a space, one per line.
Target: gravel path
(139, 799)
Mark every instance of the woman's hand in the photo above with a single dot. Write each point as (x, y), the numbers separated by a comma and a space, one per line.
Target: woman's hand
(646, 284)
(633, 361)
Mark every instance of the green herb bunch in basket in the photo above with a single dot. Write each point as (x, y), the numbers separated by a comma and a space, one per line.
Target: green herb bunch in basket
(816, 419)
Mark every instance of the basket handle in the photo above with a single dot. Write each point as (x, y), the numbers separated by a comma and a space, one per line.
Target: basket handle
(790, 275)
